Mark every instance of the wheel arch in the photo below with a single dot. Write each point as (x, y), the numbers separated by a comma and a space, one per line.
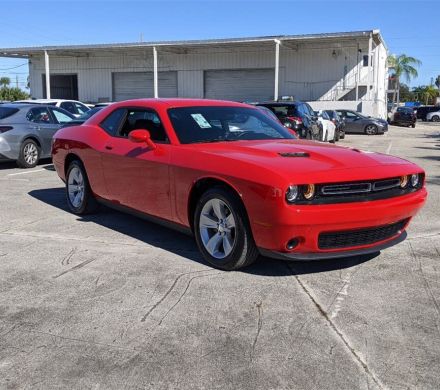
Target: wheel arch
(200, 186)
(33, 138)
(69, 158)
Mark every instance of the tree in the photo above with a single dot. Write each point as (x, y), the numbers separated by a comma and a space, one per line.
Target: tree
(437, 81)
(426, 93)
(405, 94)
(5, 81)
(403, 66)
(12, 94)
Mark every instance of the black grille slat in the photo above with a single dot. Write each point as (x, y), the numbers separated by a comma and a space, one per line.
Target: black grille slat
(359, 187)
(351, 238)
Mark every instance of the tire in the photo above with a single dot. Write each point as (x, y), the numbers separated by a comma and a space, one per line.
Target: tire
(342, 135)
(371, 129)
(435, 118)
(413, 125)
(222, 230)
(80, 201)
(309, 135)
(29, 154)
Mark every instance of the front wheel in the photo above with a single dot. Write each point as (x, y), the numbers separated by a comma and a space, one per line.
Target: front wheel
(371, 130)
(435, 118)
(79, 195)
(222, 230)
(29, 154)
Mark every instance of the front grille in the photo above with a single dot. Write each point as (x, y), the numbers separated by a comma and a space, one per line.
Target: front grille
(358, 188)
(365, 236)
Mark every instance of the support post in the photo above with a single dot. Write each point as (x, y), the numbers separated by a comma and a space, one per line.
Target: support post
(277, 68)
(155, 78)
(357, 72)
(370, 46)
(46, 67)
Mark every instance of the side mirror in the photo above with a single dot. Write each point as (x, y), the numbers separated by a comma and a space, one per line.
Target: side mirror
(141, 136)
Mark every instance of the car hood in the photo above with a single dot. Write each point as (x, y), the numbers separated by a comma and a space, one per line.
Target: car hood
(305, 158)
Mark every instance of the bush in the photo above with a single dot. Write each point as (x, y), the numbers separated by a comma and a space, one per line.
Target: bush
(11, 94)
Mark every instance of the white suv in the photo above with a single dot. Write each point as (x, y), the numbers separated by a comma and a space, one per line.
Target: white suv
(433, 116)
(74, 107)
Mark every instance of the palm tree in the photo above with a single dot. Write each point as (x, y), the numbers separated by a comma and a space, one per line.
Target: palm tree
(5, 81)
(426, 93)
(403, 66)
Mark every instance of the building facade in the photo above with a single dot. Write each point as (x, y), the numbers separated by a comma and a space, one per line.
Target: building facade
(329, 70)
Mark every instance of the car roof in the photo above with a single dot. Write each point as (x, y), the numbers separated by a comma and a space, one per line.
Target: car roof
(24, 105)
(179, 102)
(277, 104)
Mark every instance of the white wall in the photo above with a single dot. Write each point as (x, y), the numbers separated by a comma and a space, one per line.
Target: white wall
(307, 72)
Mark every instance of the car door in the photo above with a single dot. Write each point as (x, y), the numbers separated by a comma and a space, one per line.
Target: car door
(137, 176)
(353, 123)
(61, 116)
(43, 124)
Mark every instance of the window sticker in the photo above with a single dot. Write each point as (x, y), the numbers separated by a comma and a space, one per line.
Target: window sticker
(201, 121)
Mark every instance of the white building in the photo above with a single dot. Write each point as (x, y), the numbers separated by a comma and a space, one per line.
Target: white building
(330, 70)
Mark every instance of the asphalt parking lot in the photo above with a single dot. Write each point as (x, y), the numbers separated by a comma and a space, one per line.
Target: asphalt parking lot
(113, 302)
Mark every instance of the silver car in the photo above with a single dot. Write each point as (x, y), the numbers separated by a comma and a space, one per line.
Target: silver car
(26, 131)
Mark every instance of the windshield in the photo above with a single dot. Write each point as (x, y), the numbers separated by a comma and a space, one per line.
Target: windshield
(89, 113)
(215, 124)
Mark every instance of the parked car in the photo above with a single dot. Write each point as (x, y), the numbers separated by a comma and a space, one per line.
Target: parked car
(297, 115)
(404, 116)
(434, 116)
(81, 119)
(358, 123)
(74, 107)
(26, 131)
(269, 112)
(103, 104)
(423, 111)
(328, 127)
(238, 180)
(339, 123)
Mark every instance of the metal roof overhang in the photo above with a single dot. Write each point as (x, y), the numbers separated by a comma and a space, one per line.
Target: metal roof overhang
(291, 41)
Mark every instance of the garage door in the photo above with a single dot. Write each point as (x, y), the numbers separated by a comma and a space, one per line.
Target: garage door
(137, 85)
(240, 85)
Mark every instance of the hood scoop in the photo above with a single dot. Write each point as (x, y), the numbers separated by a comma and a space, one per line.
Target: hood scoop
(294, 154)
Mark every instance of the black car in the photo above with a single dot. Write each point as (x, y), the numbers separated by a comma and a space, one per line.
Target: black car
(404, 116)
(298, 116)
(361, 124)
(339, 123)
(422, 111)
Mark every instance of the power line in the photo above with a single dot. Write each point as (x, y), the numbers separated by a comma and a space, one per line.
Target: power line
(15, 67)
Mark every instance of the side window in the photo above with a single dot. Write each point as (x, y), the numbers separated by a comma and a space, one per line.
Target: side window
(365, 60)
(140, 119)
(61, 117)
(112, 123)
(39, 115)
(350, 115)
(68, 106)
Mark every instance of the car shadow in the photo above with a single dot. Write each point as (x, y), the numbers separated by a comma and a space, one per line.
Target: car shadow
(13, 164)
(184, 245)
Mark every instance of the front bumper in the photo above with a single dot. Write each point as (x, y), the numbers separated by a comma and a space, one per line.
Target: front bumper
(306, 222)
(333, 255)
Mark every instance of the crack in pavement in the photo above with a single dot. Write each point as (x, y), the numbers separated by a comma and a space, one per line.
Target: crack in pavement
(183, 293)
(259, 306)
(80, 265)
(66, 259)
(426, 284)
(143, 319)
(342, 337)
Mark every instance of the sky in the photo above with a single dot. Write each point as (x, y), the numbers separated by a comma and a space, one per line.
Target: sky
(409, 27)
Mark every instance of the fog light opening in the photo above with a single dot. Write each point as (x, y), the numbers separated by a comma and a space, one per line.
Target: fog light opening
(292, 244)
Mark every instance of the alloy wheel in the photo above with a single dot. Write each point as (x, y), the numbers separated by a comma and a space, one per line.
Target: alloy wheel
(30, 153)
(371, 129)
(75, 187)
(217, 228)
(435, 118)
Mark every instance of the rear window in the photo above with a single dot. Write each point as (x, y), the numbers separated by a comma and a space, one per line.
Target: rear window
(6, 112)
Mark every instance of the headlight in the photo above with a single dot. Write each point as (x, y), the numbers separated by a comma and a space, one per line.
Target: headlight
(292, 194)
(309, 192)
(414, 180)
(287, 124)
(403, 181)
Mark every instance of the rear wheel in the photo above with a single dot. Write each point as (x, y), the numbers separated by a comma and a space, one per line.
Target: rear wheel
(371, 129)
(29, 154)
(222, 230)
(413, 125)
(80, 198)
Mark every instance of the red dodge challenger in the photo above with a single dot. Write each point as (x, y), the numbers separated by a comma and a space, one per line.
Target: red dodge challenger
(238, 180)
